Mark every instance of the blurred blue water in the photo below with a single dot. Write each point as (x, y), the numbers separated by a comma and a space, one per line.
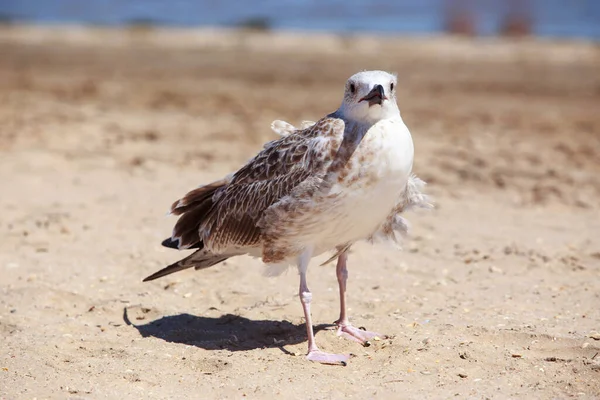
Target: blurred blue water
(556, 18)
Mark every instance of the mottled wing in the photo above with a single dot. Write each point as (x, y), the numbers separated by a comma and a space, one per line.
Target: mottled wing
(395, 224)
(281, 166)
(283, 128)
(412, 197)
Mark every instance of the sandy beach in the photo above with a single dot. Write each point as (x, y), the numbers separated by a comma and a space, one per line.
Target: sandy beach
(496, 293)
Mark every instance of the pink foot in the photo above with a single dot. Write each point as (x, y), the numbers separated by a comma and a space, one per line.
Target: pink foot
(327, 358)
(358, 335)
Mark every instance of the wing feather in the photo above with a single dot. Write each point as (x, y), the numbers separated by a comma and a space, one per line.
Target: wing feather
(225, 215)
(412, 197)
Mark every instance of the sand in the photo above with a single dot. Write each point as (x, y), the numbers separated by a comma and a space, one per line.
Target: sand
(496, 294)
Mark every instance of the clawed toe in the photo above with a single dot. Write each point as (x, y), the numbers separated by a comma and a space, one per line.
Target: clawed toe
(327, 358)
(356, 334)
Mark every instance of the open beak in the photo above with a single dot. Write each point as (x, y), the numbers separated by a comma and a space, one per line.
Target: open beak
(375, 96)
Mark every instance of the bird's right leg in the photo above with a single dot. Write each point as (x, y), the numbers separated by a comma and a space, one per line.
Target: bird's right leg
(314, 353)
(345, 328)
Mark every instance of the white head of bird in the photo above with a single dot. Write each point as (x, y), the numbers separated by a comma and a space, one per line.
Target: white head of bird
(369, 97)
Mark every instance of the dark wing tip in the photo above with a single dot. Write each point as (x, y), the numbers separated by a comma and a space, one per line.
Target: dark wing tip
(166, 271)
(177, 245)
(175, 208)
(154, 276)
(171, 243)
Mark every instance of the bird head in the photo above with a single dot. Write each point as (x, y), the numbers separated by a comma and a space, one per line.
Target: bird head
(370, 96)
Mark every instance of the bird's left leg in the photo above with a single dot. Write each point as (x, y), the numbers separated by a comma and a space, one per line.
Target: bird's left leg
(314, 353)
(346, 329)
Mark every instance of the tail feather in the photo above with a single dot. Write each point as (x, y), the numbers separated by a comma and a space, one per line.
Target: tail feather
(196, 197)
(199, 260)
(174, 244)
(193, 208)
(187, 228)
(171, 243)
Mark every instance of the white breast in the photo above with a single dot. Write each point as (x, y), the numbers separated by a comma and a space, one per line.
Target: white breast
(381, 166)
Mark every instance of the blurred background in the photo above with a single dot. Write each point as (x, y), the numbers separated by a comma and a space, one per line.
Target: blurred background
(554, 18)
(112, 109)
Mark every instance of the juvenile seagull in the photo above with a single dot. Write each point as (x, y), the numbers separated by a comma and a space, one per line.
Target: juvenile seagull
(412, 197)
(321, 188)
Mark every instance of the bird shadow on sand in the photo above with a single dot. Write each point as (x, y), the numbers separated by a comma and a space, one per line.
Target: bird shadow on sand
(229, 332)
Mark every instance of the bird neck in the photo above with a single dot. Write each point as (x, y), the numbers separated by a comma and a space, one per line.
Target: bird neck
(366, 119)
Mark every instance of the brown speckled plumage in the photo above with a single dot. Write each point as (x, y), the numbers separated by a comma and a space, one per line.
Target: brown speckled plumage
(318, 188)
(229, 216)
(395, 227)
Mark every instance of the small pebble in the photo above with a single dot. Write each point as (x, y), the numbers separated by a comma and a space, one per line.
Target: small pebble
(585, 345)
(462, 375)
(594, 335)
(187, 295)
(516, 356)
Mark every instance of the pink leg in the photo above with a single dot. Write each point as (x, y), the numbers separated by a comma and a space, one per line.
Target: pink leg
(346, 329)
(314, 353)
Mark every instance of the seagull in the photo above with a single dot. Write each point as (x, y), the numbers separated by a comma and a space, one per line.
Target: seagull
(317, 188)
(396, 227)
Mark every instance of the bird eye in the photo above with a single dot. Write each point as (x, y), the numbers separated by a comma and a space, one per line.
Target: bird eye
(392, 87)
(352, 88)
